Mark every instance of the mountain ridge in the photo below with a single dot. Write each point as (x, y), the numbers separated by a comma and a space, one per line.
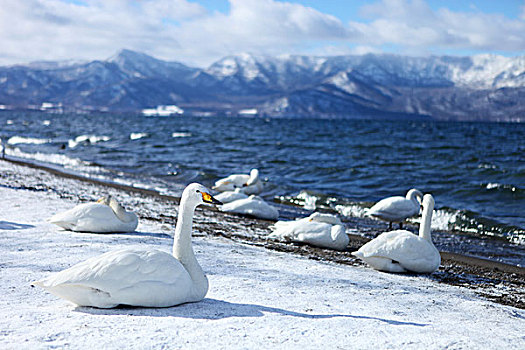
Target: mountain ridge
(482, 87)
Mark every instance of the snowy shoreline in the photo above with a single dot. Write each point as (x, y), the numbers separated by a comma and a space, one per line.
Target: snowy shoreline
(258, 298)
(496, 281)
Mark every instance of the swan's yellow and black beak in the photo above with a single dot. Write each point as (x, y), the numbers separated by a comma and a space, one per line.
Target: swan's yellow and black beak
(208, 198)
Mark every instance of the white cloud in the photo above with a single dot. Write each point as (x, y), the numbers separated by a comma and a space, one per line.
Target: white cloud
(412, 24)
(177, 30)
(185, 31)
(258, 26)
(54, 29)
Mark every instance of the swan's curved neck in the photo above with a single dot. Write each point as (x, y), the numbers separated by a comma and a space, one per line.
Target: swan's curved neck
(413, 196)
(121, 213)
(254, 177)
(426, 222)
(183, 250)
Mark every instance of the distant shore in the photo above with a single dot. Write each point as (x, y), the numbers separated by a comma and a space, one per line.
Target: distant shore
(499, 282)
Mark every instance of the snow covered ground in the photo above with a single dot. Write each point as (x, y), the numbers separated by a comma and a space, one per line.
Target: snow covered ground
(257, 298)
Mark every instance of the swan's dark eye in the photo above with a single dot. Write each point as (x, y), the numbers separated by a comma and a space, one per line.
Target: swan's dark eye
(198, 191)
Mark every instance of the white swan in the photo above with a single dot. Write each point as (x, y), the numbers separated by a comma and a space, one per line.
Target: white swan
(249, 184)
(254, 206)
(148, 278)
(322, 230)
(104, 216)
(230, 196)
(402, 251)
(397, 208)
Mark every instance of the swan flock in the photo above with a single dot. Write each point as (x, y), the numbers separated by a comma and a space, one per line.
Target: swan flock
(154, 278)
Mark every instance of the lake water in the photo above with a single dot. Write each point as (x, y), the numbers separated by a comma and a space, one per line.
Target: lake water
(476, 171)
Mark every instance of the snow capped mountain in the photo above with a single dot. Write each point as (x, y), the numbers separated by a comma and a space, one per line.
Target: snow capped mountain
(491, 71)
(284, 73)
(140, 65)
(486, 87)
(478, 72)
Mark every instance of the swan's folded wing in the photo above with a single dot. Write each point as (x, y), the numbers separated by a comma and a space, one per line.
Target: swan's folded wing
(393, 245)
(393, 207)
(252, 205)
(305, 230)
(95, 211)
(236, 180)
(287, 229)
(119, 270)
(412, 252)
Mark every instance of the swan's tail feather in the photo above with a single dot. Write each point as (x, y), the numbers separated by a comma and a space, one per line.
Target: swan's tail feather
(64, 224)
(358, 254)
(79, 294)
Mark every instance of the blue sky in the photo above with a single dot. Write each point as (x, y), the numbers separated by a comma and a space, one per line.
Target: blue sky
(349, 9)
(199, 32)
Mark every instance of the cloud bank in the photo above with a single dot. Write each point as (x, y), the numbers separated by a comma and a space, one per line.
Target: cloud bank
(185, 31)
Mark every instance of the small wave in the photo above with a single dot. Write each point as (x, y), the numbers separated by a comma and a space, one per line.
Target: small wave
(472, 223)
(354, 210)
(15, 140)
(58, 159)
(87, 139)
(486, 166)
(89, 170)
(503, 187)
(46, 122)
(181, 134)
(308, 200)
(138, 135)
(442, 220)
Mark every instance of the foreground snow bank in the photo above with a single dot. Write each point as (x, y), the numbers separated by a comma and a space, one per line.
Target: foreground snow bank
(257, 298)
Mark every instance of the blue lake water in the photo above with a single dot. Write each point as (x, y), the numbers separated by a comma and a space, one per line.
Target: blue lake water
(476, 171)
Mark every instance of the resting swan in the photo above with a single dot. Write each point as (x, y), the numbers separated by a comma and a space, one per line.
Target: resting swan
(402, 251)
(254, 206)
(104, 216)
(249, 184)
(397, 208)
(148, 278)
(322, 230)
